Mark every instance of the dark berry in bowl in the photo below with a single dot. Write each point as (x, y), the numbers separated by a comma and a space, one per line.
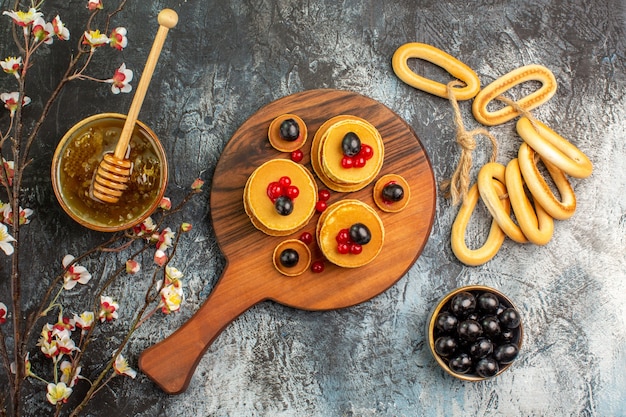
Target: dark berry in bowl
(463, 304)
(445, 345)
(487, 336)
(461, 363)
(506, 353)
(487, 303)
(446, 322)
(509, 318)
(487, 367)
(469, 330)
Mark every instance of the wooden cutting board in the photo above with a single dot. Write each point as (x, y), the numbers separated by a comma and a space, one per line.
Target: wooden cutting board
(250, 276)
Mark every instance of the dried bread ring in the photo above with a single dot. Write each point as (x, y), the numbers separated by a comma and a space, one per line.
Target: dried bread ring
(440, 58)
(554, 148)
(539, 188)
(475, 257)
(491, 198)
(537, 225)
(490, 92)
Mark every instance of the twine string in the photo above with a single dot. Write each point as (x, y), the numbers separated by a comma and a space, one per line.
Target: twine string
(458, 186)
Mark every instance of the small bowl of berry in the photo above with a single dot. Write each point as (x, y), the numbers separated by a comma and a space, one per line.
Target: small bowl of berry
(475, 333)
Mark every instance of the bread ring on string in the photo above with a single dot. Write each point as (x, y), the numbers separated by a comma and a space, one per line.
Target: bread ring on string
(475, 257)
(540, 189)
(554, 148)
(496, 88)
(491, 198)
(440, 58)
(537, 225)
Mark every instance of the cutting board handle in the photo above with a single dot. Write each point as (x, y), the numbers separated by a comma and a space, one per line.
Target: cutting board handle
(172, 362)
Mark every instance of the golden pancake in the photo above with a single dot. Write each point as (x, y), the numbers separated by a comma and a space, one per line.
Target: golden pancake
(342, 215)
(281, 144)
(260, 207)
(331, 152)
(388, 205)
(304, 257)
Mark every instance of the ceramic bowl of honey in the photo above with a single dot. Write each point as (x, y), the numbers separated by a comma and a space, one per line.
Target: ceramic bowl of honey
(78, 156)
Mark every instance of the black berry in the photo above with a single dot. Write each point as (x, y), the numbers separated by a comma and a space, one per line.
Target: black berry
(289, 130)
(463, 304)
(509, 318)
(446, 322)
(351, 144)
(360, 234)
(393, 192)
(289, 258)
(487, 367)
(445, 345)
(283, 205)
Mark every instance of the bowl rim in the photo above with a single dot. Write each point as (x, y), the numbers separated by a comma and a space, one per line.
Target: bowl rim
(56, 186)
(433, 318)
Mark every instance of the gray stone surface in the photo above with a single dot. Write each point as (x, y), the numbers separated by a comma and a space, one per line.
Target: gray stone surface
(224, 61)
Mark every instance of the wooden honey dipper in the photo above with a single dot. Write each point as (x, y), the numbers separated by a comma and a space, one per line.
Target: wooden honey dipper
(113, 173)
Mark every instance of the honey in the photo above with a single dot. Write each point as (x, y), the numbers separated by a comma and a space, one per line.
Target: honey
(77, 159)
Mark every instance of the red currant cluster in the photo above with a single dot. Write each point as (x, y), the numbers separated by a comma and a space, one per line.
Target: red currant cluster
(282, 188)
(345, 244)
(359, 160)
(317, 266)
(322, 202)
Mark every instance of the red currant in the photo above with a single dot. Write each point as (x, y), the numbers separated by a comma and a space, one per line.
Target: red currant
(324, 195)
(284, 182)
(359, 161)
(292, 192)
(355, 249)
(317, 266)
(366, 151)
(343, 248)
(297, 155)
(343, 236)
(306, 237)
(320, 206)
(274, 190)
(347, 162)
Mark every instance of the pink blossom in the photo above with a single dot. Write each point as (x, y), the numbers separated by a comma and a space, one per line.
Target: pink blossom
(5, 240)
(7, 214)
(165, 239)
(3, 313)
(94, 4)
(171, 298)
(58, 393)
(9, 169)
(23, 18)
(95, 39)
(84, 321)
(12, 65)
(165, 203)
(121, 367)
(69, 374)
(160, 258)
(118, 38)
(186, 227)
(60, 30)
(120, 83)
(197, 184)
(11, 99)
(43, 31)
(64, 342)
(64, 323)
(132, 266)
(74, 273)
(145, 228)
(108, 309)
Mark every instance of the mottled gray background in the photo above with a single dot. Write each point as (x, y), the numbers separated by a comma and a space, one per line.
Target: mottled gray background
(224, 61)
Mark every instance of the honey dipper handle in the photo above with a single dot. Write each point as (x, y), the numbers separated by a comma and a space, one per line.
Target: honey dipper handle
(167, 19)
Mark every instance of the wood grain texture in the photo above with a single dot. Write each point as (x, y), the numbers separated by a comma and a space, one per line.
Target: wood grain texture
(250, 276)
